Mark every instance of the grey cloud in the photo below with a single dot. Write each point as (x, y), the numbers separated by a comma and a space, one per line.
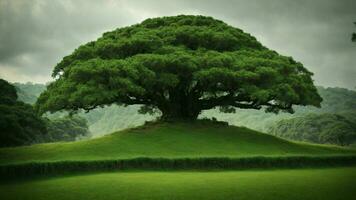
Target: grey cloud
(35, 35)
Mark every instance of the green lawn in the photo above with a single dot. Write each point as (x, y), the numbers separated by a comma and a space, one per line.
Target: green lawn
(313, 184)
(179, 140)
(169, 141)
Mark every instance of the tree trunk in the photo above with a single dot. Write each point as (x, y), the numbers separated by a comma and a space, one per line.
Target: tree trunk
(180, 112)
(180, 106)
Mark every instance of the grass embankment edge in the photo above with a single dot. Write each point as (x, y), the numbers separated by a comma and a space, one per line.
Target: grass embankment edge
(146, 163)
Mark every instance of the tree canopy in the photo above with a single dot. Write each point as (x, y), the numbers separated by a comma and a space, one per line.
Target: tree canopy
(180, 66)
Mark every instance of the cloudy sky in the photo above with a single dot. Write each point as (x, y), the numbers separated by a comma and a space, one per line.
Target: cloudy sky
(36, 34)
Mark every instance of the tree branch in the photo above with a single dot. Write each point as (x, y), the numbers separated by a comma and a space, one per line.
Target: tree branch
(229, 99)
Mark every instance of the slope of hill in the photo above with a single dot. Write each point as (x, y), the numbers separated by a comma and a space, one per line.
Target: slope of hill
(168, 140)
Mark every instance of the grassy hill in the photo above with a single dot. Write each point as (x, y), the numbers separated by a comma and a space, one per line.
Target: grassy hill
(168, 140)
(177, 142)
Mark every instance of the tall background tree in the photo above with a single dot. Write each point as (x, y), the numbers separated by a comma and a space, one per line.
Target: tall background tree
(180, 66)
(67, 128)
(19, 123)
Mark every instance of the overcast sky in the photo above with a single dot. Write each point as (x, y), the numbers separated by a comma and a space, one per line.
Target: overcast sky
(36, 34)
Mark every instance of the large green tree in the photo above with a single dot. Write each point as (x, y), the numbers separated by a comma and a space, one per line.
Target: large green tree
(180, 66)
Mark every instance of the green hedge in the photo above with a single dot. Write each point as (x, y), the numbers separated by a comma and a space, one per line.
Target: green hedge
(63, 167)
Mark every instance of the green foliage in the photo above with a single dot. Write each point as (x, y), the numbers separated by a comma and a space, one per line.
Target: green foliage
(100, 120)
(335, 100)
(179, 65)
(19, 124)
(318, 128)
(60, 127)
(112, 118)
(66, 129)
(8, 95)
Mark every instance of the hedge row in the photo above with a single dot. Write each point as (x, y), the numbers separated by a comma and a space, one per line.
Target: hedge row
(219, 163)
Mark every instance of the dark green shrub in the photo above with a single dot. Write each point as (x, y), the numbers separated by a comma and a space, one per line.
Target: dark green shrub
(63, 167)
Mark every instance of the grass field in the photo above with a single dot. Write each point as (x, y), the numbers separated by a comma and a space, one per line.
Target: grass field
(313, 184)
(167, 140)
(166, 148)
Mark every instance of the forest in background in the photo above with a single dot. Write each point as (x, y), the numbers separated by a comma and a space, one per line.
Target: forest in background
(333, 123)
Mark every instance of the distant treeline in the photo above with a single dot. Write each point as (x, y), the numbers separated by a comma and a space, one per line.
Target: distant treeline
(336, 102)
(323, 128)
